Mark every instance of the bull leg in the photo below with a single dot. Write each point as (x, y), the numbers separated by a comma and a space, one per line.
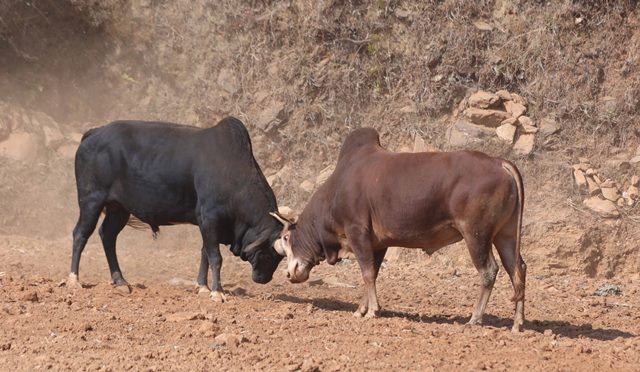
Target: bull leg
(203, 273)
(485, 263)
(212, 247)
(114, 221)
(370, 263)
(506, 246)
(90, 208)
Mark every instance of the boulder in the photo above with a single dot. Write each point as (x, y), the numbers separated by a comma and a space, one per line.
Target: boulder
(486, 117)
(514, 108)
(604, 208)
(519, 99)
(511, 121)
(506, 132)
(524, 144)
(483, 100)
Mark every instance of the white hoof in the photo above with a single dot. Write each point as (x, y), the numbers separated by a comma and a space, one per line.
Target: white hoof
(218, 297)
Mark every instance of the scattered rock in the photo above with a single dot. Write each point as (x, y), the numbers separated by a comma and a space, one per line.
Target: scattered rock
(524, 144)
(519, 99)
(582, 166)
(307, 186)
(593, 187)
(511, 121)
(486, 117)
(548, 127)
(229, 339)
(632, 192)
(286, 211)
(515, 109)
(483, 26)
(634, 180)
(5, 346)
(483, 100)
(31, 296)
(506, 132)
(272, 117)
(504, 95)
(579, 178)
(610, 193)
(608, 290)
(185, 316)
(604, 208)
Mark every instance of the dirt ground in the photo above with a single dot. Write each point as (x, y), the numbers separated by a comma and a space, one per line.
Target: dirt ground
(164, 325)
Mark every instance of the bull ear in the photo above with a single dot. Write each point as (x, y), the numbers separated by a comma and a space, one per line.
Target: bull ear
(283, 220)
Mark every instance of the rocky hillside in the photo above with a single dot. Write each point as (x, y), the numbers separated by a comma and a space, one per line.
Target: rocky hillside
(550, 85)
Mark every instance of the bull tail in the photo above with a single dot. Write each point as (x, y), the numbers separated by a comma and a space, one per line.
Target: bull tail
(519, 275)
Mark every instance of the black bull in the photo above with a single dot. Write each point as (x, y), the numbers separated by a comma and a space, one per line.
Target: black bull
(165, 174)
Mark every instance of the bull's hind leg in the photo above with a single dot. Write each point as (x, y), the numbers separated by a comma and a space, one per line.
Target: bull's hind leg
(115, 220)
(214, 258)
(485, 263)
(90, 207)
(506, 245)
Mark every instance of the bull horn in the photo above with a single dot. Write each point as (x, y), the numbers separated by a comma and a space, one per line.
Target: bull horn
(253, 247)
(277, 245)
(280, 218)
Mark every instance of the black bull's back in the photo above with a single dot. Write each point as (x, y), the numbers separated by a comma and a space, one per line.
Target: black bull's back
(164, 174)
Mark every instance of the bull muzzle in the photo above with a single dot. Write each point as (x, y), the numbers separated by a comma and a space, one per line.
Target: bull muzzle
(298, 271)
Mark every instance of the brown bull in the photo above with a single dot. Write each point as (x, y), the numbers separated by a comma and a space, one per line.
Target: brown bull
(376, 199)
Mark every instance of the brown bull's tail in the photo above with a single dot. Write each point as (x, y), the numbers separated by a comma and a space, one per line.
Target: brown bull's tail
(519, 274)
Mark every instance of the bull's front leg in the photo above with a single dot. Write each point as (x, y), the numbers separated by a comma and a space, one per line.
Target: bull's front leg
(203, 273)
(210, 240)
(370, 262)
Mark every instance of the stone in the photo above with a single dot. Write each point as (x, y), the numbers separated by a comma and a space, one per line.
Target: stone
(21, 146)
(590, 172)
(227, 81)
(307, 186)
(525, 121)
(184, 316)
(548, 127)
(419, 145)
(579, 178)
(635, 160)
(514, 108)
(506, 132)
(524, 144)
(593, 187)
(505, 95)
(584, 160)
(530, 129)
(31, 296)
(608, 183)
(483, 100)
(634, 180)
(463, 133)
(620, 202)
(271, 117)
(486, 117)
(483, 26)
(597, 179)
(604, 208)
(510, 121)
(229, 339)
(324, 175)
(632, 192)
(519, 99)
(610, 193)
(582, 166)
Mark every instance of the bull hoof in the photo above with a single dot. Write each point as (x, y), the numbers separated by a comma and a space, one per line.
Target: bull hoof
(474, 321)
(357, 314)
(516, 328)
(371, 314)
(123, 288)
(73, 282)
(218, 297)
(203, 290)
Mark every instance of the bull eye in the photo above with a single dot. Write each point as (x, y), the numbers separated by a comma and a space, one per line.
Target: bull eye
(285, 238)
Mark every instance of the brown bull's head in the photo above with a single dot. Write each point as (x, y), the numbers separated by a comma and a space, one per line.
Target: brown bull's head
(298, 266)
